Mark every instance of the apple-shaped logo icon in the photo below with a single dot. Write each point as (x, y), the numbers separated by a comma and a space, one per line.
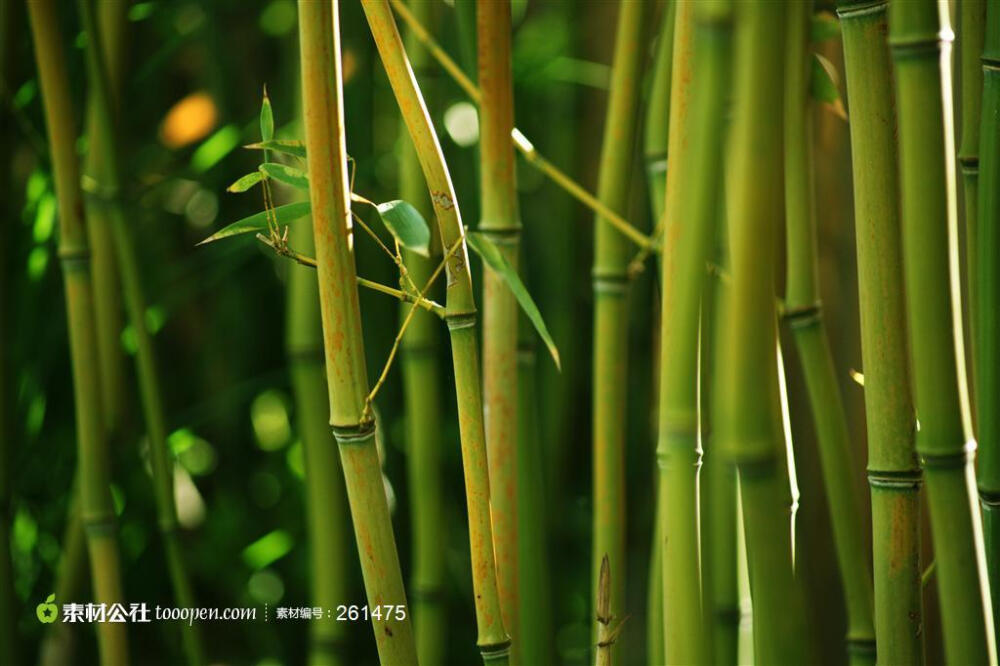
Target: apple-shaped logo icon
(48, 611)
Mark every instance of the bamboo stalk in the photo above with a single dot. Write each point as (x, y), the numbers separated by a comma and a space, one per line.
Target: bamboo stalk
(988, 351)
(655, 156)
(96, 510)
(803, 314)
(326, 501)
(750, 427)
(894, 474)
(610, 283)
(920, 38)
(701, 62)
(111, 17)
(500, 222)
(972, 32)
(534, 639)
(493, 641)
(103, 173)
(422, 392)
(347, 381)
(657, 130)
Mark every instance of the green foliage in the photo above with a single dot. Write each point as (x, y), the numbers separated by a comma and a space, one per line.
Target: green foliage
(258, 221)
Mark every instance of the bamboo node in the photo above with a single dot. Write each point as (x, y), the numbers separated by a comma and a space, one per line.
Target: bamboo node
(360, 433)
(904, 479)
(802, 316)
(860, 9)
(990, 498)
(949, 459)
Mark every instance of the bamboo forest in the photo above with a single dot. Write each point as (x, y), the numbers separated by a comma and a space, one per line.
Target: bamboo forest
(529, 332)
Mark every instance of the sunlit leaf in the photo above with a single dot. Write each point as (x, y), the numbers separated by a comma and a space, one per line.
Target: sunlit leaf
(286, 174)
(491, 254)
(823, 85)
(246, 182)
(266, 118)
(267, 549)
(293, 148)
(258, 221)
(823, 26)
(408, 226)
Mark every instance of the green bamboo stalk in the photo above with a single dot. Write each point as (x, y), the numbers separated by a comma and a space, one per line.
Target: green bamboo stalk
(102, 173)
(347, 382)
(610, 282)
(534, 639)
(657, 132)
(104, 272)
(655, 156)
(500, 221)
(972, 32)
(750, 427)
(894, 474)
(803, 314)
(493, 641)
(988, 351)
(96, 510)
(422, 392)
(920, 38)
(326, 501)
(701, 62)
(720, 545)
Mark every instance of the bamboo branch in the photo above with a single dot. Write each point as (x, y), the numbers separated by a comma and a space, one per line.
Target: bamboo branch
(520, 141)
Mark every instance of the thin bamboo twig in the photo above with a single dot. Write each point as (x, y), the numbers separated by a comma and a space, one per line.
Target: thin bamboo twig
(988, 329)
(500, 222)
(322, 105)
(610, 284)
(520, 141)
(803, 314)
(920, 39)
(750, 430)
(493, 641)
(421, 371)
(702, 49)
(894, 474)
(104, 174)
(96, 509)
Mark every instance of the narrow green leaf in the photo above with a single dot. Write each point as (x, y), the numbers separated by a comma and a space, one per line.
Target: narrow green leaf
(286, 174)
(293, 148)
(246, 182)
(258, 221)
(491, 254)
(408, 226)
(266, 118)
(824, 26)
(823, 85)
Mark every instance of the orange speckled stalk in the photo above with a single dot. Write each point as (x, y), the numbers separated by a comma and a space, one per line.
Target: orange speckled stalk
(322, 105)
(493, 641)
(501, 223)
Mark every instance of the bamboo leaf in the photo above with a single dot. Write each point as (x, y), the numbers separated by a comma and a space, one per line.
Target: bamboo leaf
(246, 182)
(491, 254)
(258, 221)
(266, 118)
(823, 26)
(823, 85)
(405, 223)
(293, 148)
(285, 174)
